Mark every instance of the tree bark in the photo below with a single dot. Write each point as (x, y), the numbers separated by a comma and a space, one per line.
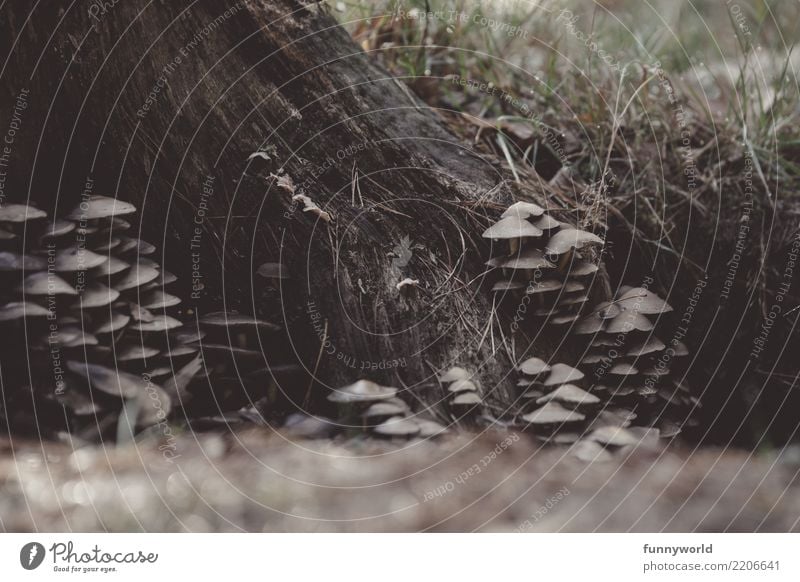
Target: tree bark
(163, 103)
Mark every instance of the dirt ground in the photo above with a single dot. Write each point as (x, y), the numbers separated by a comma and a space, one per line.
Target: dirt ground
(257, 480)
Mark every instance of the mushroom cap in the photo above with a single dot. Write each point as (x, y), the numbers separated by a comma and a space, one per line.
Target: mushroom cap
(604, 341)
(165, 278)
(385, 408)
(501, 286)
(187, 336)
(569, 394)
(5, 235)
(582, 268)
(135, 351)
(589, 325)
(511, 227)
(362, 391)
(573, 299)
(97, 295)
(644, 347)
(453, 374)
(111, 267)
(623, 369)
(157, 299)
(656, 371)
(546, 222)
(523, 210)
(20, 309)
(593, 358)
(138, 275)
(495, 262)
(532, 394)
(679, 348)
(430, 428)
(527, 259)
(107, 245)
(562, 374)
(273, 271)
(534, 366)
(100, 207)
(77, 259)
(544, 286)
(19, 213)
(572, 286)
(160, 323)
(15, 262)
(398, 426)
(628, 321)
(552, 413)
(232, 319)
(643, 301)
(570, 238)
(107, 380)
(606, 310)
(564, 319)
(462, 386)
(468, 398)
(114, 323)
(44, 283)
(615, 436)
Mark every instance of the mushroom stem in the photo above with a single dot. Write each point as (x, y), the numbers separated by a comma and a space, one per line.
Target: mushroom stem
(513, 244)
(565, 260)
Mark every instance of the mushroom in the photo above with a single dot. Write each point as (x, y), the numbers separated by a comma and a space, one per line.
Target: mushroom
(135, 352)
(503, 286)
(77, 259)
(569, 394)
(467, 398)
(462, 386)
(109, 381)
(552, 413)
(527, 259)
(97, 295)
(606, 310)
(20, 309)
(623, 369)
(568, 240)
(546, 222)
(114, 323)
(614, 435)
(430, 428)
(111, 267)
(562, 374)
(534, 367)
(138, 275)
(100, 207)
(648, 346)
(679, 348)
(19, 213)
(157, 299)
(544, 286)
(16, 262)
(565, 319)
(231, 319)
(273, 271)
(385, 408)
(590, 324)
(643, 301)
(582, 268)
(513, 229)
(628, 321)
(362, 391)
(398, 426)
(523, 210)
(590, 452)
(453, 374)
(160, 323)
(44, 283)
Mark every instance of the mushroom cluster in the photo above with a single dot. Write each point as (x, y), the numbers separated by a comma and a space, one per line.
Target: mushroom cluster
(104, 351)
(464, 396)
(544, 260)
(625, 354)
(380, 411)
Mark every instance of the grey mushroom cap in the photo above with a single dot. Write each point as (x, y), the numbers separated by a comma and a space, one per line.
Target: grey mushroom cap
(523, 210)
(138, 275)
(629, 321)
(615, 436)
(430, 428)
(77, 259)
(643, 301)
(582, 268)
(114, 323)
(573, 299)
(589, 325)
(467, 398)
(527, 259)
(462, 386)
(362, 391)
(385, 408)
(230, 319)
(20, 309)
(606, 310)
(100, 207)
(679, 348)
(109, 381)
(160, 323)
(623, 369)
(43, 283)
(569, 239)
(15, 262)
(565, 319)
(648, 346)
(590, 452)
(546, 222)
(545, 286)
(453, 374)
(273, 271)
(135, 352)
(111, 267)
(502, 286)
(20, 213)
(593, 358)
(512, 227)
(562, 374)
(98, 295)
(157, 299)
(534, 366)
(552, 413)
(569, 394)
(398, 426)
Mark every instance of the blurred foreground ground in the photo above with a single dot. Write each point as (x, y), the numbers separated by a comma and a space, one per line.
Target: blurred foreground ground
(259, 481)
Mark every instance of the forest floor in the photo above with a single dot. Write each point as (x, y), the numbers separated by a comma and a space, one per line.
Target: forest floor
(257, 480)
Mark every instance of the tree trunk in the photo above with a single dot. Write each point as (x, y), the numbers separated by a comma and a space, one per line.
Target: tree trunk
(163, 104)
